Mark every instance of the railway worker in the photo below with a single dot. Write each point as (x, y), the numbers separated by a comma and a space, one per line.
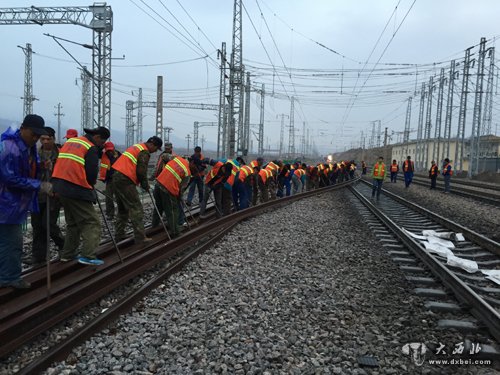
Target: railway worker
(394, 171)
(131, 170)
(220, 180)
(212, 180)
(242, 188)
(165, 156)
(408, 169)
(231, 169)
(352, 169)
(197, 178)
(283, 174)
(433, 174)
(334, 174)
(297, 179)
(312, 177)
(363, 167)
(71, 133)
(378, 175)
(447, 173)
(274, 167)
(73, 180)
(264, 176)
(108, 158)
(173, 181)
(256, 165)
(18, 194)
(48, 154)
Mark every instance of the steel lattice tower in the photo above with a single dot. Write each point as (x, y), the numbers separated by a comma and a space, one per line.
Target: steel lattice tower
(439, 113)
(406, 134)
(129, 123)
(291, 133)
(159, 106)
(138, 137)
(86, 110)
(476, 115)
(246, 124)
(449, 112)
(28, 97)
(222, 123)
(236, 83)
(428, 123)
(420, 128)
(488, 102)
(459, 156)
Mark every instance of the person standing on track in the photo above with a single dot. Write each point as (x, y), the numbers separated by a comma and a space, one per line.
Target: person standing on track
(394, 171)
(18, 194)
(48, 153)
(408, 169)
(73, 180)
(197, 179)
(163, 159)
(132, 170)
(447, 173)
(108, 158)
(433, 174)
(378, 175)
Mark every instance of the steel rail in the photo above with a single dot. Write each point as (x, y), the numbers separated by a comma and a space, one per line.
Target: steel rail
(480, 239)
(19, 327)
(465, 182)
(486, 197)
(61, 350)
(478, 306)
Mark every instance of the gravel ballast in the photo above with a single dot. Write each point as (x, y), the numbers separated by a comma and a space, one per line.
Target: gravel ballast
(481, 217)
(304, 289)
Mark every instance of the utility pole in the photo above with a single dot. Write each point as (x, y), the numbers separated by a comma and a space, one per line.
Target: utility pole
(236, 81)
(159, 106)
(488, 102)
(28, 97)
(202, 142)
(139, 117)
(428, 123)
(261, 122)
(291, 134)
(222, 123)
(166, 133)
(58, 114)
(303, 138)
(459, 155)
(439, 112)
(385, 137)
(86, 112)
(371, 142)
(406, 135)
(188, 138)
(420, 128)
(449, 113)
(129, 123)
(476, 115)
(308, 142)
(379, 132)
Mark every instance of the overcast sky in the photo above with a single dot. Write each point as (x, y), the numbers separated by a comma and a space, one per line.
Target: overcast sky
(338, 95)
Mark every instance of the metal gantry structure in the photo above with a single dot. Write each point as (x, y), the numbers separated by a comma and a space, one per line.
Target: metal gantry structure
(439, 113)
(291, 130)
(86, 110)
(196, 130)
(460, 142)
(406, 134)
(449, 111)
(222, 135)
(97, 17)
(428, 123)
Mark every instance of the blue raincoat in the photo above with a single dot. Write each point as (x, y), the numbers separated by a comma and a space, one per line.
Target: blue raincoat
(18, 189)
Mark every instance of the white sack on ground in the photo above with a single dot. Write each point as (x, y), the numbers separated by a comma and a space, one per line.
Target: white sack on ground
(436, 249)
(465, 264)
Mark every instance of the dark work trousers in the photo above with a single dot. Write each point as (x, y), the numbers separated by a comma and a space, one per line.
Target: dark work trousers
(447, 179)
(196, 182)
(39, 224)
(170, 205)
(377, 187)
(433, 182)
(227, 200)
(394, 176)
(408, 178)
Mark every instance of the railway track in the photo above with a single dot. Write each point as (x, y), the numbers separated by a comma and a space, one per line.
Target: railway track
(489, 194)
(25, 315)
(475, 293)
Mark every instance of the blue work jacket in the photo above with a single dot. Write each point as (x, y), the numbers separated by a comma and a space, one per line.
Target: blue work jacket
(19, 164)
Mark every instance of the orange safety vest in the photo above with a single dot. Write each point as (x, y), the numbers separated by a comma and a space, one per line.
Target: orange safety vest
(213, 172)
(127, 162)
(173, 173)
(394, 167)
(234, 171)
(434, 170)
(70, 165)
(379, 170)
(254, 164)
(406, 166)
(299, 172)
(105, 166)
(445, 170)
(265, 174)
(245, 171)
